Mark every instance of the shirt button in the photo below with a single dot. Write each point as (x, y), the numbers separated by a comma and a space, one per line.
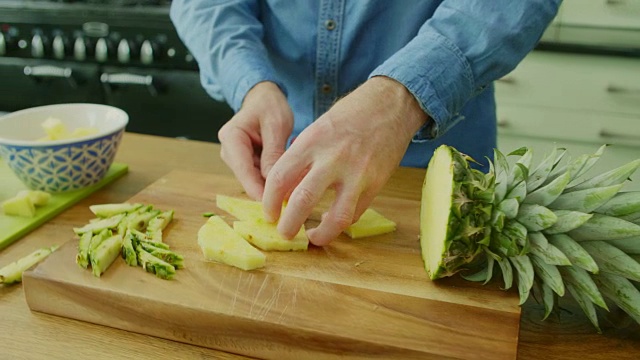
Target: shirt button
(330, 24)
(326, 88)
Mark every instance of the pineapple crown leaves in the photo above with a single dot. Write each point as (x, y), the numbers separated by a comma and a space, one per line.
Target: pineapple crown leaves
(554, 229)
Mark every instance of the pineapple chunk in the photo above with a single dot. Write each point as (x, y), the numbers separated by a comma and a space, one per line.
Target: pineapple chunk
(82, 132)
(265, 236)
(19, 205)
(241, 209)
(38, 197)
(220, 243)
(55, 129)
(370, 223)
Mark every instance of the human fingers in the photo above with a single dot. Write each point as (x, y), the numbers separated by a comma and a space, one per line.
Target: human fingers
(275, 133)
(303, 199)
(337, 219)
(238, 153)
(283, 178)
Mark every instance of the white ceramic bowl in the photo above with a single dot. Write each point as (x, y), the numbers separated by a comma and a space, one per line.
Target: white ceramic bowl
(61, 165)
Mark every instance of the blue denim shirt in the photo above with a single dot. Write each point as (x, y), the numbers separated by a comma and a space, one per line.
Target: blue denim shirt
(446, 53)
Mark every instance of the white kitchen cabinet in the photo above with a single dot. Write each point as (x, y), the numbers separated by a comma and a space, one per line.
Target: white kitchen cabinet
(560, 80)
(609, 23)
(574, 97)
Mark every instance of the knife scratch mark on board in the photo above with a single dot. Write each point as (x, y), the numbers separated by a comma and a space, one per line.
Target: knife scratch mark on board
(257, 297)
(235, 294)
(292, 302)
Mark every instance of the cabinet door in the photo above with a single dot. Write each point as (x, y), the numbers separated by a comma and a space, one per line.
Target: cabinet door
(574, 81)
(168, 103)
(614, 14)
(26, 83)
(572, 125)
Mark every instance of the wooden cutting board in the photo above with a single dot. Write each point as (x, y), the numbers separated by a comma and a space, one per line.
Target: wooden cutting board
(13, 228)
(365, 298)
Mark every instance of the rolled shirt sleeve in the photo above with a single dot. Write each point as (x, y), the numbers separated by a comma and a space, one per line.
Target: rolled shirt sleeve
(465, 46)
(225, 38)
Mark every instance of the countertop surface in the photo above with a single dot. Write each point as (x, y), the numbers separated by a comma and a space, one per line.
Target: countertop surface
(29, 335)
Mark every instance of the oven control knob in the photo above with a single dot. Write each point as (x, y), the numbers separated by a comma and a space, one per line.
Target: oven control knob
(37, 46)
(147, 52)
(124, 51)
(79, 49)
(58, 47)
(102, 50)
(3, 45)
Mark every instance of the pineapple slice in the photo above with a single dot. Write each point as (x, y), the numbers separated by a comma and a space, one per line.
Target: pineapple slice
(220, 243)
(265, 236)
(370, 223)
(241, 209)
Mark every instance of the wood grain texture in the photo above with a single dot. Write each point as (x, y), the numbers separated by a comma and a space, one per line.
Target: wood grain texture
(36, 336)
(366, 298)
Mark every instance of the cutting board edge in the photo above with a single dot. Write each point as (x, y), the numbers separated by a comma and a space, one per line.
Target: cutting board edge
(342, 345)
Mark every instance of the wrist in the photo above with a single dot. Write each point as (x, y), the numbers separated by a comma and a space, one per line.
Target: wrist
(265, 90)
(410, 114)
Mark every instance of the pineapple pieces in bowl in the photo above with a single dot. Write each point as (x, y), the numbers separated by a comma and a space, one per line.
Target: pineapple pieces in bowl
(55, 159)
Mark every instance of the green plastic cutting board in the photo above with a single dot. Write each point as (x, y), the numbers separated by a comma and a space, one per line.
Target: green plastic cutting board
(13, 228)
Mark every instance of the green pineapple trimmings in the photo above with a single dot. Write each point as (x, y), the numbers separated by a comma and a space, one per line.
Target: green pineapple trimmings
(12, 273)
(128, 230)
(552, 228)
(109, 210)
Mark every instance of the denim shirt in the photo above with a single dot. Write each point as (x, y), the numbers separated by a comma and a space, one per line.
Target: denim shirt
(446, 53)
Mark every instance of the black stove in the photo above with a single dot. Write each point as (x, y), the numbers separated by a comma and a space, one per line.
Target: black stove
(124, 53)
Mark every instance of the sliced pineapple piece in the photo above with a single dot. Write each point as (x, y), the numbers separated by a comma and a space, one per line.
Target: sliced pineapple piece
(219, 242)
(241, 209)
(19, 205)
(371, 223)
(55, 129)
(38, 197)
(265, 236)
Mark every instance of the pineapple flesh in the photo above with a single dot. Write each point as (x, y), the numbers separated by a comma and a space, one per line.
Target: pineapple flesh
(550, 228)
(371, 223)
(220, 243)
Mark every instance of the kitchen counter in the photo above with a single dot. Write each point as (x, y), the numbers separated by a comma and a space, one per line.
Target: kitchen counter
(29, 335)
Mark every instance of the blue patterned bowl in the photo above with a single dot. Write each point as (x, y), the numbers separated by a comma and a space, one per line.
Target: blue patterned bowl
(61, 165)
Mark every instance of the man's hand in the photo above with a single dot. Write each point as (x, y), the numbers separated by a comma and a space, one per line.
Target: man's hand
(255, 138)
(353, 148)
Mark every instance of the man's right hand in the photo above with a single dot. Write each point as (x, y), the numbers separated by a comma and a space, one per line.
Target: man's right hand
(255, 138)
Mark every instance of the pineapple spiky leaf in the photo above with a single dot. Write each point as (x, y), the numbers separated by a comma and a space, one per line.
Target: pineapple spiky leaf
(554, 229)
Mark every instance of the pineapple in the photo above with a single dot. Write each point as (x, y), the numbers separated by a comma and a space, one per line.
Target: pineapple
(371, 223)
(12, 273)
(265, 236)
(219, 242)
(241, 209)
(548, 226)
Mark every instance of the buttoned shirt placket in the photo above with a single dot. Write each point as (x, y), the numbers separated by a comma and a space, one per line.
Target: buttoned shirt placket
(328, 54)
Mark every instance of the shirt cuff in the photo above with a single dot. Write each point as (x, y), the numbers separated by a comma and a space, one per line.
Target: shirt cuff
(436, 72)
(241, 72)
